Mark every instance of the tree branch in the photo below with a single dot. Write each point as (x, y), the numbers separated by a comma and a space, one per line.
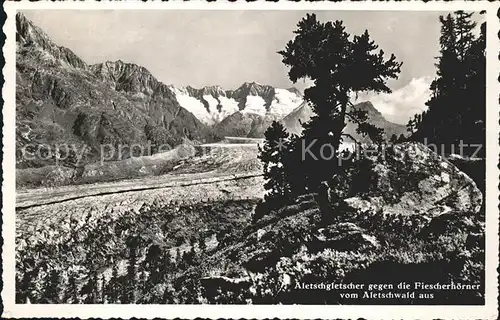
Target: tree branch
(353, 119)
(350, 136)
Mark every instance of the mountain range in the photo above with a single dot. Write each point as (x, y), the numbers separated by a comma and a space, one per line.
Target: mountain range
(212, 104)
(247, 111)
(60, 99)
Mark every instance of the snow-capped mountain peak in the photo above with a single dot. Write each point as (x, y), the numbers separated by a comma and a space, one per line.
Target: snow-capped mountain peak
(212, 104)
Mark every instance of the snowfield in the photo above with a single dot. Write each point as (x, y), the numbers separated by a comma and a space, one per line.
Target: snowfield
(255, 104)
(284, 103)
(228, 107)
(193, 105)
(211, 109)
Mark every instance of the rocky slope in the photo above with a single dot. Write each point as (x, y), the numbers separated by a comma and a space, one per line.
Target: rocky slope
(62, 100)
(418, 218)
(241, 124)
(303, 113)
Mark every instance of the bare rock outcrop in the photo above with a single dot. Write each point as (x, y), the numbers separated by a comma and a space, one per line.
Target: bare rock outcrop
(409, 208)
(412, 179)
(344, 236)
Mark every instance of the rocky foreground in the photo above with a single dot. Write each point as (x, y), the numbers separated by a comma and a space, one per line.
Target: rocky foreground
(415, 217)
(409, 216)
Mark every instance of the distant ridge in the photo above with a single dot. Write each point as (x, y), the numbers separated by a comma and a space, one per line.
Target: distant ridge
(293, 122)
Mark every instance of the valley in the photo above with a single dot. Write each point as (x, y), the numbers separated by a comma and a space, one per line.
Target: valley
(209, 165)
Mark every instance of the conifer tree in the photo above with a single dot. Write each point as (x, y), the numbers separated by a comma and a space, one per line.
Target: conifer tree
(457, 104)
(201, 244)
(25, 286)
(394, 138)
(272, 155)
(339, 66)
(153, 262)
(100, 289)
(129, 294)
(52, 287)
(178, 257)
(72, 289)
(90, 288)
(113, 287)
(190, 256)
(166, 262)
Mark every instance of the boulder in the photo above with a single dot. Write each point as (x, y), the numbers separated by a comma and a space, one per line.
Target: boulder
(260, 234)
(344, 236)
(474, 168)
(59, 176)
(412, 179)
(443, 223)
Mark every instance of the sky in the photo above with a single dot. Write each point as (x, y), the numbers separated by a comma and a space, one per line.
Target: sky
(228, 48)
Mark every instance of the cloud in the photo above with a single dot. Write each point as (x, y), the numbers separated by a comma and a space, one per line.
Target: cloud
(303, 84)
(400, 105)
